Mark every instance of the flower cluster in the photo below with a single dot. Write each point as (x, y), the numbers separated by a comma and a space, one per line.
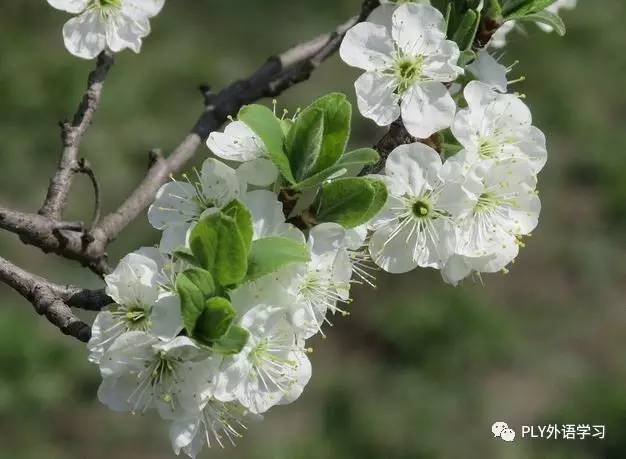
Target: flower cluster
(259, 247)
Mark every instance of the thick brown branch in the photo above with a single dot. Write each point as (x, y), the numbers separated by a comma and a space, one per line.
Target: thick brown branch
(53, 300)
(72, 135)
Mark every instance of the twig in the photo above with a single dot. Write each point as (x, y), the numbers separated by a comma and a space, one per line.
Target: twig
(72, 135)
(84, 167)
(53, 301)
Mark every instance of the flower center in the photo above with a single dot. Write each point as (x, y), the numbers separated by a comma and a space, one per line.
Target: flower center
(489, 201)
(163, 369)
(134, 317)
(421, 208)
(109, 3)
(408, 70)
(487, 148)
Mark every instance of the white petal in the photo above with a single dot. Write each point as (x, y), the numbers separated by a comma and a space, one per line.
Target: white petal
(367, 46)
(392, 250)
(258, 172)
(237, 143)
(165, 317)
(533, 146)
(489, 71)
(85, 35)
(175, 203)
(71, 6)
(115, 391)
(442, 66)
(174, 237)
(182, 432)
(325, 240)
(123, 32)
(104, 330)
(414, 167)
(267, 212)
(427, 108)
(220, 184)
(303, 375)
(418, 29)
(142, 9)
(376, 98)
(134, 281)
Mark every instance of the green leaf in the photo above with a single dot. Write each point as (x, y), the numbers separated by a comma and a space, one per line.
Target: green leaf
(240, 213)
(345, 201)
(193, 286)
(548, 18)
(517, 9)
(218, 245)
(304, 143)
(360, 157)
(337, 117)
(233, 341)
(264, 123)
(185, 255)
(466, 32)
(269, 254)
(217, 316)
(379, 200)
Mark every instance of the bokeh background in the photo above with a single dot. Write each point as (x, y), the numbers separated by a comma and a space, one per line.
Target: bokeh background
(420, 369)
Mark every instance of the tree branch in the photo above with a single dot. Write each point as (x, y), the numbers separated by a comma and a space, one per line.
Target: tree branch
(278, 74)
(53, 300)
(71, 240)
(72, 135)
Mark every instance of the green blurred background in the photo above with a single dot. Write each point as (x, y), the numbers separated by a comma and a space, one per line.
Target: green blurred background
(420, 369)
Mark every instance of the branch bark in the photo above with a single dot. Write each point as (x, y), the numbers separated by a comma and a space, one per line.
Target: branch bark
(72, 135)
(54, 301)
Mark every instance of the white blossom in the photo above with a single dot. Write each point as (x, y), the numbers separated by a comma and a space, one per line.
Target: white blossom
(140, 372)
(180, 204)
(506, 207)
(308, 291)
(416, 226)
(239, 143)
(106, 24)
(497, 126)
(136, 286)
(407, 61)
(218, 423)
(272, 369)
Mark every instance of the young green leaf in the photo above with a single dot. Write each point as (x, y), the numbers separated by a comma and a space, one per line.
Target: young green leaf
(350, 161)
(548, 18)
(193, 286)
(345, 201)
(264, 123)
(337, 117)
(272, 253)
(379, 200)
(516, 9)
(304, 143)
(217, 316)
(238, 210)
(233, 341)
(466, 32)
(218, 245)
(185, 255)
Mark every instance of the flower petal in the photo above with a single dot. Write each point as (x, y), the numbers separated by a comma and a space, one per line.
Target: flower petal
(376, 98)
(367, 46)
(71, 6)
(418, 29)
(258, 172)
(427, 108)
(85, 35)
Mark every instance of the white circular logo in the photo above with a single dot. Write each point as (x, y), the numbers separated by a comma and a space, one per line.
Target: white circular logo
(502, 430)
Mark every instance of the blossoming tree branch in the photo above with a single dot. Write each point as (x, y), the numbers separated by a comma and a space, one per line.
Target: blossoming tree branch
(260, 247)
